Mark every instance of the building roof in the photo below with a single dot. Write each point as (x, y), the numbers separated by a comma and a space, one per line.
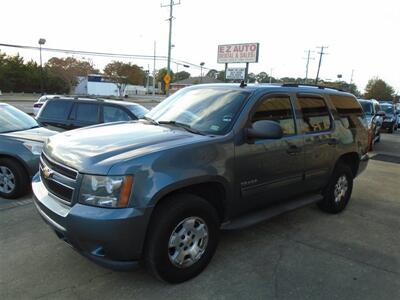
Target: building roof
(196, 80)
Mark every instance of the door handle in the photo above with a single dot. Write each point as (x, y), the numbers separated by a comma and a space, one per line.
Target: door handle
(293, 150)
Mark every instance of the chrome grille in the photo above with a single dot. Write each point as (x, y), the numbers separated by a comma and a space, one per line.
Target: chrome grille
(59, 180)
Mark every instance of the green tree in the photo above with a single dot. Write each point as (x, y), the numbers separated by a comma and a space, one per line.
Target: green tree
(212, 73)
(123, 74)
(378, 89)
(182, 75)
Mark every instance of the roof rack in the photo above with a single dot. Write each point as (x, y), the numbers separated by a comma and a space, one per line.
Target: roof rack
(311, 85)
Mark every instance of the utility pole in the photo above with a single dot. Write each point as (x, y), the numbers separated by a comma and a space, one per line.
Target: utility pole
(308, 63)
(351, 78)
(41, 42)
(171, 5)
(154, 70)
(321, 53)
(147, 81)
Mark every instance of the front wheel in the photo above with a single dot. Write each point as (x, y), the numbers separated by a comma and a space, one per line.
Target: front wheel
(338, 192)
(14, 181)
(182, 238)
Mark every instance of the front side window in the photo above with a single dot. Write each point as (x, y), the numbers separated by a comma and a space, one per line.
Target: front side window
(277, 109)
(85, 112)
(315, 114)
(56, 110)
(210, 110)
(114, 114)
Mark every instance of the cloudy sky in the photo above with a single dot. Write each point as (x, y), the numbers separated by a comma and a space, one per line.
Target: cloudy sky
(361, 35)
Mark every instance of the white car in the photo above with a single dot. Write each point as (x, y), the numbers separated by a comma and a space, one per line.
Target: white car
(38, 104)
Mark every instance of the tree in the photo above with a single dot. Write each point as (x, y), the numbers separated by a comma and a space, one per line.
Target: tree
(160, 77)
(212, 74)
(123, 74)
(69, 68)
(182, 75)
(378, 89)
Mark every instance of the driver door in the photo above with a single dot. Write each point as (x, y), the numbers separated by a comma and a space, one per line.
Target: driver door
(268, 170)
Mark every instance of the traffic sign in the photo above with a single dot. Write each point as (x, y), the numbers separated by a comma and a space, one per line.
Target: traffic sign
(167, 79)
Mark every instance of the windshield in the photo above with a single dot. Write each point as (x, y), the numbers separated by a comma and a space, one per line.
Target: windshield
(207, 110)
(367, 107)
(388, 109)
(12, 119)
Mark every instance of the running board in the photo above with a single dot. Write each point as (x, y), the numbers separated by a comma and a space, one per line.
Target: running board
(270, 212)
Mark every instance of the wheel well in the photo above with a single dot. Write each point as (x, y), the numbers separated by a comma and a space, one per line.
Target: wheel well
(352, 160)
(213, 192)
(17, 160)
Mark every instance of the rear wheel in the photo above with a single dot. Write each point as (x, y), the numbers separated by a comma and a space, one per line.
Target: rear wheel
(14, 181)
(182, 238)
(338, 191)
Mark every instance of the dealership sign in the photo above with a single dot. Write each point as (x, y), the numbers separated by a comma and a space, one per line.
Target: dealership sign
(235, 73)
(238, 53)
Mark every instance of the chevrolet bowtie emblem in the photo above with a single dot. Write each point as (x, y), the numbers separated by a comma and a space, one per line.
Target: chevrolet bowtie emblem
(47, 172)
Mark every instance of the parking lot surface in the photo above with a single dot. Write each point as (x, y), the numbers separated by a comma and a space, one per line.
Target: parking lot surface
(304, 254)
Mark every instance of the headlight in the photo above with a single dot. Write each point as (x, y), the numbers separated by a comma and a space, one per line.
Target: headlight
(34, 147)
(106, 191)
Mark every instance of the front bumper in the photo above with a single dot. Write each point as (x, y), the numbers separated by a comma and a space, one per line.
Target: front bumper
(388, 125)
(113, 238)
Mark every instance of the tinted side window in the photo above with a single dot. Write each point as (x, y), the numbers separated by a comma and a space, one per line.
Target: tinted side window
(114, 114)
(315, 114)
(278, 109)
(85, 112)
(56, 110)
(348, 109)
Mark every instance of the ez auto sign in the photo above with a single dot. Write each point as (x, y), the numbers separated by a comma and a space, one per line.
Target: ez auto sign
(238, 53)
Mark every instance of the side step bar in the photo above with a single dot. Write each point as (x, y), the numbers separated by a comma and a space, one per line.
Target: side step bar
(270, 212)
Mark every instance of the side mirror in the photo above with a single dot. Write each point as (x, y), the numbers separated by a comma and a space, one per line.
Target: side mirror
(265, 130)
(381, 113)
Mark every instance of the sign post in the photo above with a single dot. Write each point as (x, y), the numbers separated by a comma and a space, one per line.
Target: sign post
(167, 80)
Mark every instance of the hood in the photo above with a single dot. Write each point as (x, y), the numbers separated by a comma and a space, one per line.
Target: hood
(39, 134)
(96, 149)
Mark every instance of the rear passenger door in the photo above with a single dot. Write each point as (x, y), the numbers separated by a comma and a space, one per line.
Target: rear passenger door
(84, 114)
(317, 126)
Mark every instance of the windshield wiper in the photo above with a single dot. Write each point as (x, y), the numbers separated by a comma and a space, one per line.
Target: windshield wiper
(187, 127)
(152, 121)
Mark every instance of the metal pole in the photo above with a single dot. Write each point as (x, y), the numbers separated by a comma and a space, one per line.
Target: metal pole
(147, 81)
(41, 70)
(307, 64)
(154, 70)
(246, 72)
(169, 41)
(270, 76)
(351, 79)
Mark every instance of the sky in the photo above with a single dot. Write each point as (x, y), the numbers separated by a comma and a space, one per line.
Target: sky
(360, 35)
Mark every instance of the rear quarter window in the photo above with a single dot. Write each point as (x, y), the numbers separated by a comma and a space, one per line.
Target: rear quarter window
(56, 110)
(349, 110)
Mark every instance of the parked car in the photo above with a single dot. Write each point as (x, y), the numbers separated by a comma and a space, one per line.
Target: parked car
(21, 142)
(374, 118)
(390, 119)
(38, 104)
(70, 113)
(209, 157)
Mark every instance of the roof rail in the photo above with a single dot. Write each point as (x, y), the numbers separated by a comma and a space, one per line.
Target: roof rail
(311, 85)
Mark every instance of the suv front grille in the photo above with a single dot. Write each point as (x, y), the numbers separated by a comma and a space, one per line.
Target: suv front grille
(59, 180)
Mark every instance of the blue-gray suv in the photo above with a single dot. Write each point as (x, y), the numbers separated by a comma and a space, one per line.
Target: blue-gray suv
(210, 157)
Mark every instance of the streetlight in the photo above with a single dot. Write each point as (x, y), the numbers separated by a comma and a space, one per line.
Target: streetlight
(201, 71)
(41, 42)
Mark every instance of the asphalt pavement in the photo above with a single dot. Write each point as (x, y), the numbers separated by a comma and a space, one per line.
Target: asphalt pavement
(304, 254)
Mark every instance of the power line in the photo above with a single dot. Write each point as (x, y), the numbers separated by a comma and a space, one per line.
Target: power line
(101, 54)
(321, 53)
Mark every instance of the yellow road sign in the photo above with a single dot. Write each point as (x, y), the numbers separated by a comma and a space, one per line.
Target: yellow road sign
(167, 79)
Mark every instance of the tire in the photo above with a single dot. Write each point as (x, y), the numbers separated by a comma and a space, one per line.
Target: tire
(391, 129)
(14, 181)
(168, 220)
(379, 138)
(335, 202)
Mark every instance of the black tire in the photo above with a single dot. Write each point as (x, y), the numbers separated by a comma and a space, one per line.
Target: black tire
(391, 129)
(379, 138)
(21, 179)
(331, 203)
(166, 217)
